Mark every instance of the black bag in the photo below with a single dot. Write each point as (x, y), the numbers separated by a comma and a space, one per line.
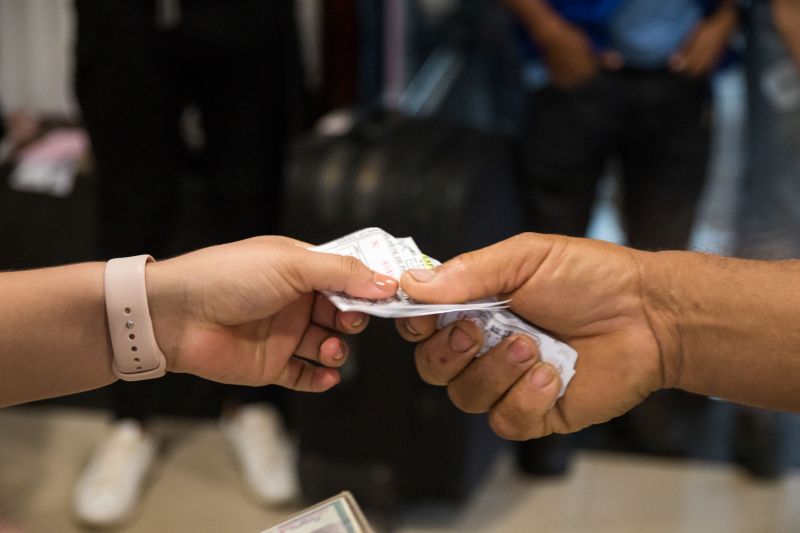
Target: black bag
(37, 230)
(383, 433)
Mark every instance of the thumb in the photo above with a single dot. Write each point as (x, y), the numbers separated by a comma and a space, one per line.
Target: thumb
(498, 269)
(319, 271)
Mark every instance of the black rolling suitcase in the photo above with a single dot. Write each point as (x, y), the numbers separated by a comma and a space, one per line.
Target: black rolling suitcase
(38, 230)
(383, 433)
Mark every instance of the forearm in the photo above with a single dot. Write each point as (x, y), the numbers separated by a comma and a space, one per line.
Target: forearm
(538, 18)
(726, 14)
(728, 328)
(787, 19)
(53, 333)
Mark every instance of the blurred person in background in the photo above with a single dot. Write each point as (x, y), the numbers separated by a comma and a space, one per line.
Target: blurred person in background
(628, 80)
(140, 65)
(769, 210)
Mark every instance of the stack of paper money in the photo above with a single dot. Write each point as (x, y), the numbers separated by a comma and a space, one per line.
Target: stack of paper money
(340, 514)
(391, 256)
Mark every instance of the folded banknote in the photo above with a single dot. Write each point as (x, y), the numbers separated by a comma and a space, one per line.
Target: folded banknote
(392, 256)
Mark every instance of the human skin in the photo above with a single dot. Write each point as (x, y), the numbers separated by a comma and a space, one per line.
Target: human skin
(786, 14)
(640, 322)
(566, 49)
(702, 51)
(234, 313)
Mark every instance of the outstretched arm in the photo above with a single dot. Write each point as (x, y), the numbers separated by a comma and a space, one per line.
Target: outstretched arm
(735, 325)
(640, 321)
(54, 333)
(235, 313)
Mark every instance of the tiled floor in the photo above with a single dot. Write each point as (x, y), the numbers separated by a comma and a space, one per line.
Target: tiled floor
(196, 489)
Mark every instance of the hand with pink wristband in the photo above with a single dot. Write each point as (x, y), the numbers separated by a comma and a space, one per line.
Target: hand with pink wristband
(247, 312)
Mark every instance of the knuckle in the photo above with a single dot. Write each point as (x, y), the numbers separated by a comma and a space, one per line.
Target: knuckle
(425, 368)
(268, 376)
(272, 372)
(505, 428)
(464, 259)
(463, 401)
(524, 236)
(422, 327)
(258, 381)
(524, 243)
(351, 265)
(465, 262)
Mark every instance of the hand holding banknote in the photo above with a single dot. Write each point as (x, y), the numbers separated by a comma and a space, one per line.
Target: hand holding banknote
(587, 293)
(249, 312)
(392, 256)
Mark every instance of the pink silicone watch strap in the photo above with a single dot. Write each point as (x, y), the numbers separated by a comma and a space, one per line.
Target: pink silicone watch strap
(136, 353)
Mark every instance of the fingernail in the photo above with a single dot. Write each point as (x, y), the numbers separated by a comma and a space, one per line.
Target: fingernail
(543, 375)
(422, 275)
(339, 355)
(519, 352)
(384, 283)
(357, 322)
(460, 341)
(409, 328)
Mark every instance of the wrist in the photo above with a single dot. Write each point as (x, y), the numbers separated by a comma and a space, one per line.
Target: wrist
(166, 299)
(659, 272)
(726, 16)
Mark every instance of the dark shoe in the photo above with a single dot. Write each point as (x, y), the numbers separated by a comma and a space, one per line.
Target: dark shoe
(548, 456)
(760, 443)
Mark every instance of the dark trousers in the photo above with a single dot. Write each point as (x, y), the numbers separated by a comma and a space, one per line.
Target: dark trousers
(136, 74)
(655, 124)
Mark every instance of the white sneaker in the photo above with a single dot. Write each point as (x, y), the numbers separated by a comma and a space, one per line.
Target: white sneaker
(264, 452)
(110, 487)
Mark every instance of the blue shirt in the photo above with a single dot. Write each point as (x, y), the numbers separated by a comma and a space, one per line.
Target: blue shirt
(592, 16)
(648, 32)
(645, 32)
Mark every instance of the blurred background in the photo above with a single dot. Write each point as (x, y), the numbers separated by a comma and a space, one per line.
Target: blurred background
(160, 126)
